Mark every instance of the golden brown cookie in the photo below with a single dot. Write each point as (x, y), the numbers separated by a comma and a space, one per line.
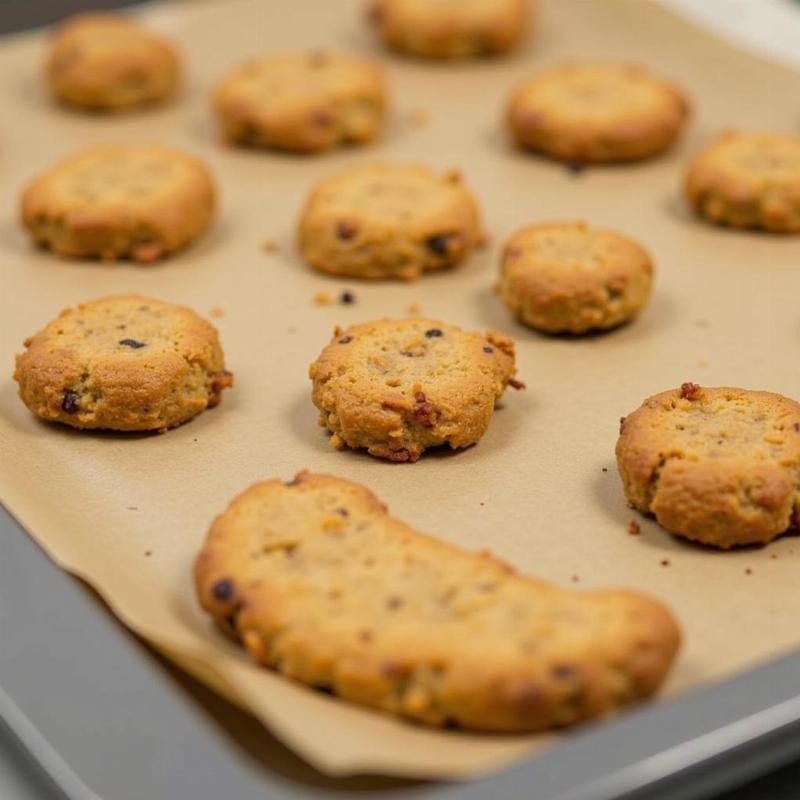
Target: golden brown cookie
(717, 465)
(108, 62)
(125, 363)
(319, 582)
(399, 387)
(597, 112)
(450, 28)
(570, 278)
(119, 201)
(305, 102)
(388, 221)
(748, 180)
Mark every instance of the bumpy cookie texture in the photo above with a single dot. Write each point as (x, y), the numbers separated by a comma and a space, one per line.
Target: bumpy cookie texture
(321, 584)
(720, 466)
(388, 221)
(570, 278)
(399, 387)
(450, 28)
(106, 62)
(112, 202)
(124, 363)
(304, 102)
(597, 112)
(748, 180)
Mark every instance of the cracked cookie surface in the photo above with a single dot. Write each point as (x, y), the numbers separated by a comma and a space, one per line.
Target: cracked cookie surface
(125, 363)
(396, 388)
(305, 102)
(748, 180)
(388, 221)
(570, 278)
(111, 202)
(320, 583)
(720, 466)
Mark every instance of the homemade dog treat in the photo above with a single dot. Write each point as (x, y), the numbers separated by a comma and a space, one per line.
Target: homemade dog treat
(318, 582)
(450, 28)
(388, 221)
(125, 363)
(108, 62)
(570, 278)
(748, 180)
(597, 112)
(304, 102)
(720, 466)
(398, 387)
(119, 201)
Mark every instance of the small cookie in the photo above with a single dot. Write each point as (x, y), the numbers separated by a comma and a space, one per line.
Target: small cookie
(388, 221)
(720, 466)
(108, 62)
(320, 583)
(119, 201)
(450, 28)
(748, 180)
(570, 278)
(398, 387)
(597, 112)
(124, 363)
(305, 102)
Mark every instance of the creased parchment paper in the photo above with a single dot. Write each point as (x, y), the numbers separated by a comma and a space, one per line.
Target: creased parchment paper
(128, 513)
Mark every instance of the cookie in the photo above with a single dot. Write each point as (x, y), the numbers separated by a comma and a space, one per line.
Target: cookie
(321, 584)
(124, 363)
(748, 180)
(597, 112)
(720, 466)
(450, 28)
(388, 221)
(119, 201)
(399, 387)
(570, 278)
(108, 62)
(304, 102)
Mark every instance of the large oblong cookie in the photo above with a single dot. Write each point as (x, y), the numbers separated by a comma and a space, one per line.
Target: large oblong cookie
(399, 387)
(321, 584)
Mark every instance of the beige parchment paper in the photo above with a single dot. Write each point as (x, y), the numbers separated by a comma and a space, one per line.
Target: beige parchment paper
(534, 490)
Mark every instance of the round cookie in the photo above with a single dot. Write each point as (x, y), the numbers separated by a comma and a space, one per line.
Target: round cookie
(748, 180)
(570, 278)
(720, 466)
(450, 28)
(108, 62)
(388, 221)
(398, 387)
(123, 363)
(597, 112)
(119, 201)
(304, 102)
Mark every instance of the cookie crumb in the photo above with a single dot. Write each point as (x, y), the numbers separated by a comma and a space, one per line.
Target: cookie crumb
(148, 553)
(690, 391)
(322, 299)
(604, 469)
(665, 562)
(269, 246)
(748, 571)
(414, 308)
(515, 384)
(575, 578)
(418, 118)
(217, 312)
(347, 298)
(576, 167)
(634, 529)
(132, 508)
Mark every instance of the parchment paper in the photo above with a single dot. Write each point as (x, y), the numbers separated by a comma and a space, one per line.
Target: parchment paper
(534, 490)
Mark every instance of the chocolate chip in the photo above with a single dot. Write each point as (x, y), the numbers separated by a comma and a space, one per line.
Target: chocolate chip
(563, 671)
(488, 349)
(70, 402)
(438, 244)
(433, 333)
(345, 229)
(132, 343)
(345, 340)
(690, 391)
(394, 602)
(342, 512)
(223, 590)
(347, 298)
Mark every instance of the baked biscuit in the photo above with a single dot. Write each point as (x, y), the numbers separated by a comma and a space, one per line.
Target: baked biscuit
(119, 201)
(720, 466)
(305, 102)
(450, 28)
(321, 584)
(570, 278)
(398, 387)
(748, 180)
(125, 363)
(108, 62)
(388, 221)
(597, 112)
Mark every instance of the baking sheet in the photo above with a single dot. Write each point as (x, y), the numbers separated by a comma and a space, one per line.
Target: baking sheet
(533, 490)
